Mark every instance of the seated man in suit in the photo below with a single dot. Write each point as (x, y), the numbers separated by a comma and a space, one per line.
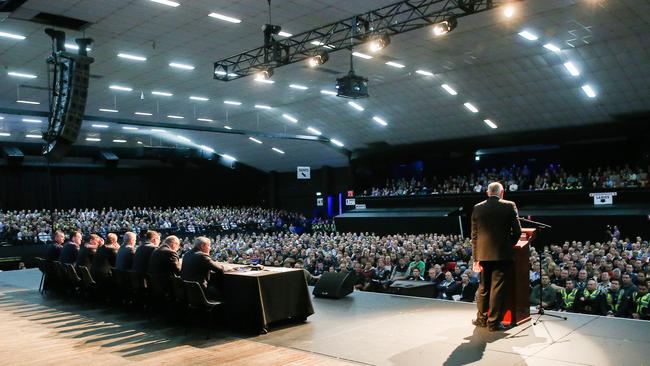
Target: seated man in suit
(104, 259)
(198, 267)
(143, 253)
(448, 287)
(88, 250)
(467, 289)
(124, 260)
(54, 249)
(164, 263)
(415, 275)
(70, 250)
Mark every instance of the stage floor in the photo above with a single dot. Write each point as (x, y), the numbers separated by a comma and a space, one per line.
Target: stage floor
(363, 328)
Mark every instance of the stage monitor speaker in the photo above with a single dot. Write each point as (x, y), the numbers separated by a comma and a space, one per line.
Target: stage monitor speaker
(334, 285)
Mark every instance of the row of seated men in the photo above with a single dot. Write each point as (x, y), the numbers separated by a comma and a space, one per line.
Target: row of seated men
(150, 258)
(627, 301)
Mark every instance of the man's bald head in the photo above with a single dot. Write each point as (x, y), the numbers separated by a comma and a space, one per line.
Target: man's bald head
(495, 189)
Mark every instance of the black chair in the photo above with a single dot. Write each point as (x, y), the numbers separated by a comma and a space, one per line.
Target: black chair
(197, 302)
(88, 283)
(180, 300)
(42, 266)
(123, 289)
(140, 289)
(74, 281)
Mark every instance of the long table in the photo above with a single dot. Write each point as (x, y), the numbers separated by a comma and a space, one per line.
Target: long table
(255, 300)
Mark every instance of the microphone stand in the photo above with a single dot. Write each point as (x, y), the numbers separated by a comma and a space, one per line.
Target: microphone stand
(540, 309)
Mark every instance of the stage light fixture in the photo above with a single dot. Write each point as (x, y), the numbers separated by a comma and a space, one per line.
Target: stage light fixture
(318, 59)
(378, 42)
(509, 11)
(445, 26)
(265, 75)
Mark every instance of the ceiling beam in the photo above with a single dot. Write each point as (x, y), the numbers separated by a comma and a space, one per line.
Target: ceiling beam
(400, 17)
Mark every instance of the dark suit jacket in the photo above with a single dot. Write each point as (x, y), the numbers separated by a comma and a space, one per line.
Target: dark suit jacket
(53, 252)
(69, 253)
(468, 293)
(124, 260)
(495, 230)
(103, 261)
(141, 258)
(164, 262)
(197, 266)
(85, 256)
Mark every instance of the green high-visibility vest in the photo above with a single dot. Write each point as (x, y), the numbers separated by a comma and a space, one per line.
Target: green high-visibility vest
(568, 297)
(641, 303)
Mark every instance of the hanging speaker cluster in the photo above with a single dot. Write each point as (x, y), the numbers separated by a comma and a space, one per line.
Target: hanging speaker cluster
(71, 73)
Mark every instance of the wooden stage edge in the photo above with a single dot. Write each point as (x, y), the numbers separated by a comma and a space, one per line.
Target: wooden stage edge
(360, 329)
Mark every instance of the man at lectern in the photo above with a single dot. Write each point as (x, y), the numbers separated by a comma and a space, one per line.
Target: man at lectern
(495, 230)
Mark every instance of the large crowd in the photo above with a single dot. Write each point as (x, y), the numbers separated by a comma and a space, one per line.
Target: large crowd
(29, 226)
(517, 178)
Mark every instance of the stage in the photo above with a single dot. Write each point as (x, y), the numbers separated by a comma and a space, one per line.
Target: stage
(364, 328)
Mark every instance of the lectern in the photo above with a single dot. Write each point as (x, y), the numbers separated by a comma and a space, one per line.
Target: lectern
(517, 305)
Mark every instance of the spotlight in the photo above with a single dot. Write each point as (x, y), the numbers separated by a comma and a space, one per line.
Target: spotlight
(265, 74)
(509, 11)
(378, 42)
(445, 26)
(318, 59)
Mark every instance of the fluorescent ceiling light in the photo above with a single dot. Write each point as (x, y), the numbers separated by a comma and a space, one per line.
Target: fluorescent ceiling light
(449, 89)
(1, 118)
(202, 99)
(380, 121)
(552, 47)
(22, 75)
(285, 34)
(231, 102)
(337, 142)
(277, 150)
(158, 130)
(164, 94)
(262, 106)
(139, 142)
(204, 119)
(261, 80)
(290, 118)
(96, 125)
(224, 17)
(362, 55)
(120, 87)
(32, 120)
(12, 36)
(130, 128)
(27, 102)
(471, 107)
(314, 131)
(529, 36)
(228, 157)
(181, 66)
(6, 134)
(183, 138)
(173, 116)
(93, 139)
(589, 91)
(131, 57)
(296, 86)
(328, 92)
(108, 110)
(356, 106)
(75, 47)
(395, 64)
(573, 70)
(33, 136)
(119, 141)
(316, 43)
(423, 72)
(166, 2)
(490, 123)
(227, 127)
(207, 148)
(143, 114)
(255, 140)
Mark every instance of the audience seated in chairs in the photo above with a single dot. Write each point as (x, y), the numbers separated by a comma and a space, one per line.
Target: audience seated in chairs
(70, 250)
(143, 253)
(54, 249)
(88, 250)
(104, 260)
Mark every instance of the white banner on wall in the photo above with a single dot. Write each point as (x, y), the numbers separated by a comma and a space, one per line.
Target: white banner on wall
(603, 198)
(303, 172)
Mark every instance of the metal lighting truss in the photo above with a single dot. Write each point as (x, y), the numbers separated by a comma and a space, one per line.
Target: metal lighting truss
(393, 19)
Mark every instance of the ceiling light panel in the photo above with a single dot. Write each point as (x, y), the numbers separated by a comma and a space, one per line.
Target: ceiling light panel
(224, 18)
(471, 107)
(22, 75)
(181, 66)
(356, 106)
(129, 56)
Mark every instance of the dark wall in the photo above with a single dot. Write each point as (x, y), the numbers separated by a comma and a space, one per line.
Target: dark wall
(28, 187)
(289, 193)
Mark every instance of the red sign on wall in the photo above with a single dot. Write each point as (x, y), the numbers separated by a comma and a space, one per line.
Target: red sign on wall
(350, 193)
